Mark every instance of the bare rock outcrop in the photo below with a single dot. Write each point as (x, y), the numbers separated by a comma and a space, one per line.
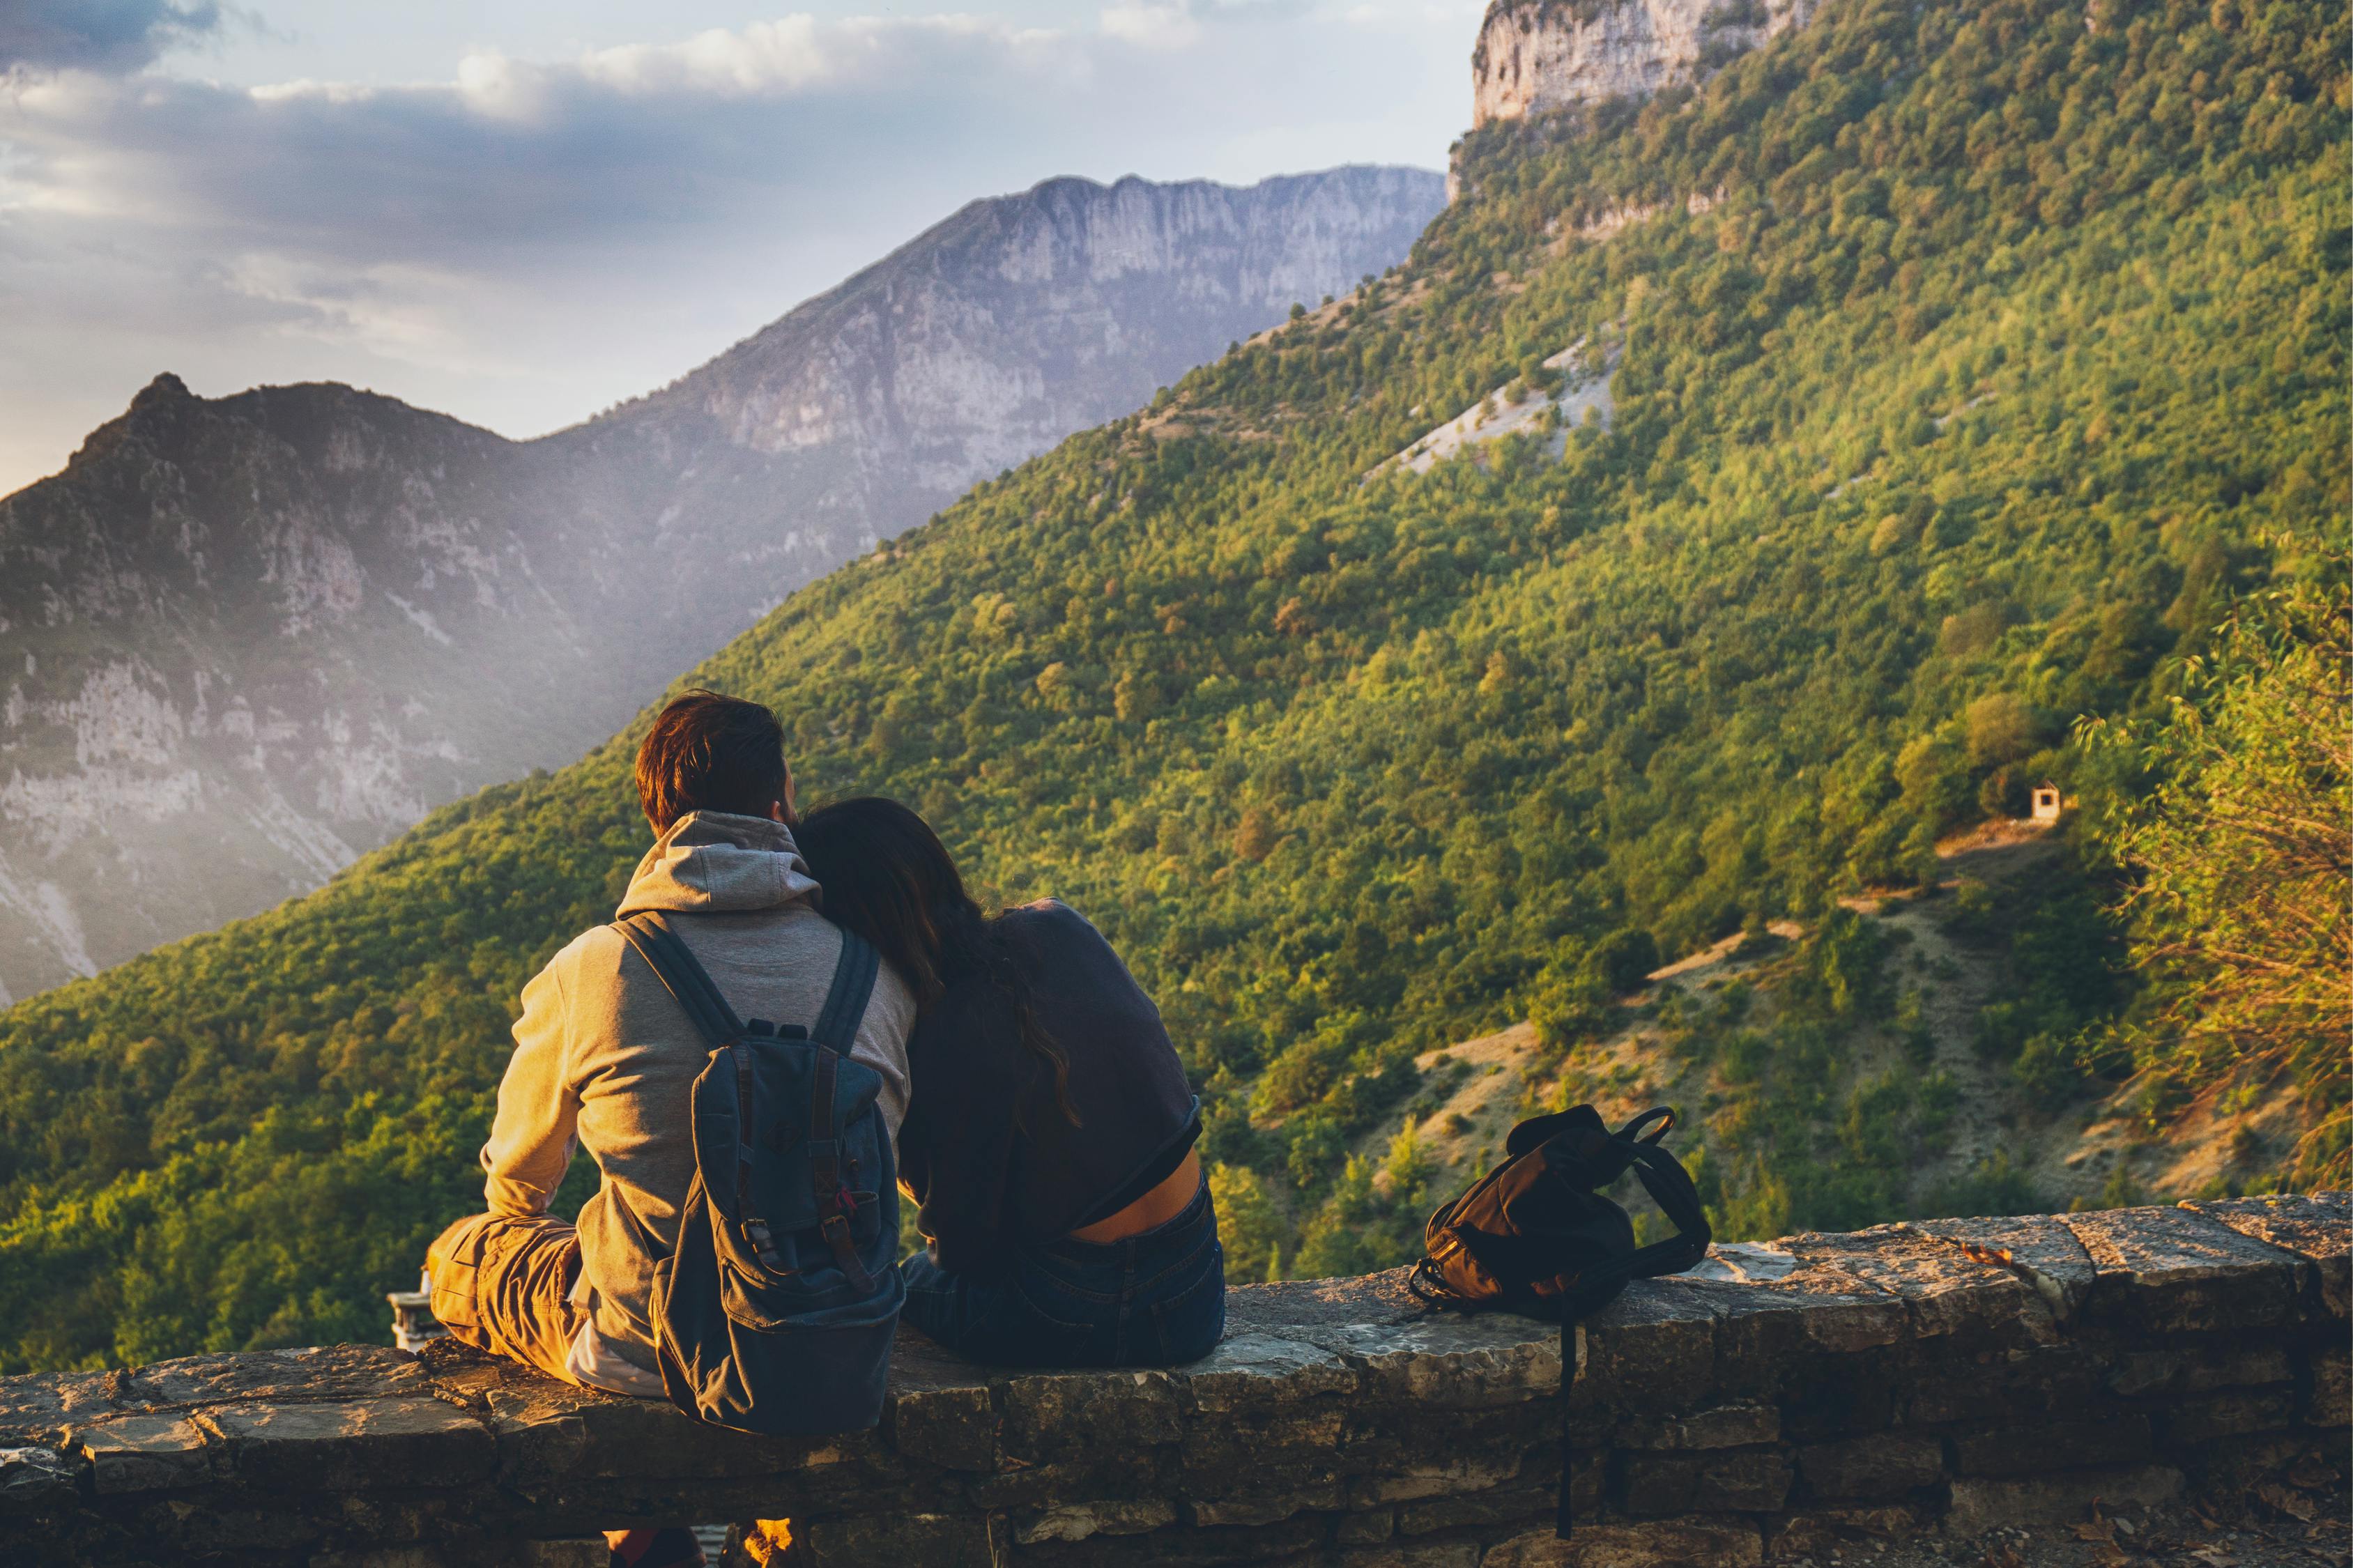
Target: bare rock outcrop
(1534, 56)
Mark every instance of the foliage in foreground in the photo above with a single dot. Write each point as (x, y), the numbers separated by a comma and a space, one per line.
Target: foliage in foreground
(2244, 856)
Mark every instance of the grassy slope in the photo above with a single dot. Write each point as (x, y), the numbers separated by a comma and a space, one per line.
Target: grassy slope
(2009, 349)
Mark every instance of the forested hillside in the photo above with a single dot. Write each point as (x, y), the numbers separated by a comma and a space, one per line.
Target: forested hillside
(1970, 362)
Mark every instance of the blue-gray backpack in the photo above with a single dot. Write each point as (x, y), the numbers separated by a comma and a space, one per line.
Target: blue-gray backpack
(776, 1312)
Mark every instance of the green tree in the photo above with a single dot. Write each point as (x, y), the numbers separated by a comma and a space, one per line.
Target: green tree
(2244, 853)
(1250, 1226)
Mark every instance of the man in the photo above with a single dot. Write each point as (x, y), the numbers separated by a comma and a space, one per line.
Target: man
(605, 1057)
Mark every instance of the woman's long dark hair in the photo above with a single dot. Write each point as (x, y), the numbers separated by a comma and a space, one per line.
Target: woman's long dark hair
(887, 876)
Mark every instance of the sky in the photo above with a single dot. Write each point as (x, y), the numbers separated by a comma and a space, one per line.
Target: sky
(520, 213)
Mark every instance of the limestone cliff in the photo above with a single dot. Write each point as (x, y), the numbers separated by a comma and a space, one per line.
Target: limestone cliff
(1533, 57)
(244, 640)
(979, 344)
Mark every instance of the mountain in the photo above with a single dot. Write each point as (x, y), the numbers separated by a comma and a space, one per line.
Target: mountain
(1966, 364)
(247, 638)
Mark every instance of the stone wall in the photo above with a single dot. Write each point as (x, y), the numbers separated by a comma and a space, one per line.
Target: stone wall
(1950, 1373)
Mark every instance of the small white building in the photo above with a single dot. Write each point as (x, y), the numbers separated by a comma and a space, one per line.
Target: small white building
(2046, 807)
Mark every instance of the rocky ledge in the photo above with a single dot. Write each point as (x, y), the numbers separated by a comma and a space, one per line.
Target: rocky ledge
(1947, 1373)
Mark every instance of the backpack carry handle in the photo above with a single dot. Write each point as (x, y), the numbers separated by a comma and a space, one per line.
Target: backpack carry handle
(1665, 1115)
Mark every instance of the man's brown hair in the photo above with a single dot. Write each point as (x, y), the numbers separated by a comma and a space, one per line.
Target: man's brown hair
(710, 752)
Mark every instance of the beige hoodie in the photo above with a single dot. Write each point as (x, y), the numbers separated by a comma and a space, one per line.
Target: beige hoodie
(605, 1057)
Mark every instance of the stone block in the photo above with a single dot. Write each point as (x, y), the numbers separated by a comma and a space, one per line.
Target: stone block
(147, 1454)
(1656, 1543)
(1503, 1505)
(1822, 1532)
(2169, 1270)
(1830, 1396)
(1305, 1448)
(2216, 1367)
(36, 1481)
(1950, 1292)
(365, 1443)
(1112, 1471)
(1886, 1464)
(2051, 1445)
(1081, 1520)
(538, 1445)
(2234, 1415)
(410, 1556)
(235, 1533)
(935, 1541)
(1723, 1427)
(1981, 1502)
(2318, 1230)
(1364, 1529)
(952, 1426)
(1250, 1373)
(1728, 1480)
(2229, 1465)
(2007, 1385)
(1468, 1473)
(582, 1552)
(36, 1411)
(1815, 1341)
(1452, 1362)
(1270, 1507)
(2331, 1400)
(1052, 1414)
(1413, 1554)
(1652, 1349)
(2138, 1372)
(326, 1373)
(558, 1430)
(1815, 1312)
(1297, 1541)
(2038, 1248)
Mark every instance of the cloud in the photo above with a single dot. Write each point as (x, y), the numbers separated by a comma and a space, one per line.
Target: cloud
(522, 240)
(519, 155)
(1153, 26)
(111, 36)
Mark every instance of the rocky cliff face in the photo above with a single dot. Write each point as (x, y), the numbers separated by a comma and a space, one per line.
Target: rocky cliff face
(1536, 56)
(244, 640)
(980, 344)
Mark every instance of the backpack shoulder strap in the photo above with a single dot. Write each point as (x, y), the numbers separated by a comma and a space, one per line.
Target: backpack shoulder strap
(1670, 1186)
(845, 1000)
(675, 965)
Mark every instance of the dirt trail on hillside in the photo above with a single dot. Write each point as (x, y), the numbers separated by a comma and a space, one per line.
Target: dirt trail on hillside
(2069, 1152)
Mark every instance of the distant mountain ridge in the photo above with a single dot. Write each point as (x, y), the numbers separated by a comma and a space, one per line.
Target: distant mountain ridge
(245, 639)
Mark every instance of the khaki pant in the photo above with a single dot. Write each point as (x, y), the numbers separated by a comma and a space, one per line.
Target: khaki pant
(504, 1284)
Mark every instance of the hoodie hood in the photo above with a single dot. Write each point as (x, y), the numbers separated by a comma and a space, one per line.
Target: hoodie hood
(715, 861)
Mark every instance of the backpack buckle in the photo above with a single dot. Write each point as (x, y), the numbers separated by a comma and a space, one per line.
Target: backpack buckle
(764, 1246)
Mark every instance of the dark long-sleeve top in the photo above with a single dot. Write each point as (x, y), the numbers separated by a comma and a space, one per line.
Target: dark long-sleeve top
(986, 1148)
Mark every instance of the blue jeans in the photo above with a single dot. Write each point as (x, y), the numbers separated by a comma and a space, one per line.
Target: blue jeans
(1153, 1300)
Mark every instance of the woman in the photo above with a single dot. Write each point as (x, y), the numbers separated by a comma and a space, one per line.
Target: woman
(1050, 1135)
